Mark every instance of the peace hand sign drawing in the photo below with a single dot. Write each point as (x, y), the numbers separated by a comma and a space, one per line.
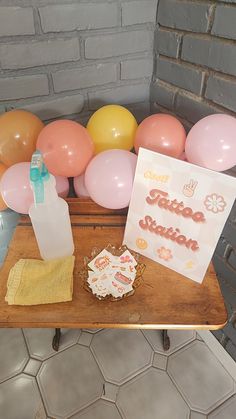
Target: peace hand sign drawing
(189, 189)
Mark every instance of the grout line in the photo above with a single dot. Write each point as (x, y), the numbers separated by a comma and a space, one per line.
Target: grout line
(179, 48)
(201, 35)
(211, 18)
(221, 354)
(40, 394)
(205, 77)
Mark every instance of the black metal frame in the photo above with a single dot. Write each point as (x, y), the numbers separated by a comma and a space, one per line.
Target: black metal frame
(57, 336)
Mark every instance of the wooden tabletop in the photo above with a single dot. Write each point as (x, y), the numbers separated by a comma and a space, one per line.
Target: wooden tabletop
(164, 300)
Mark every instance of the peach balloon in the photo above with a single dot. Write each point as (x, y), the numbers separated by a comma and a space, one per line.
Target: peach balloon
(19, 131)
(161, 133)
(3, 205)
(66, 146)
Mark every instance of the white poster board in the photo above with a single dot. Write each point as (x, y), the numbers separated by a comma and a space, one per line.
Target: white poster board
(177, 212)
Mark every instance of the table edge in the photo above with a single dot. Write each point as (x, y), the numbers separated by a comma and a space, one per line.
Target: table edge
(113, 326)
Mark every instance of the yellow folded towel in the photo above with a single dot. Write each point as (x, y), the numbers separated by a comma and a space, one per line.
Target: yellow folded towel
(33, 281)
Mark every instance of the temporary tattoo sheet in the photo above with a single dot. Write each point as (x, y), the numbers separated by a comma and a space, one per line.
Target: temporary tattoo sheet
(177, 212)
(112, 275)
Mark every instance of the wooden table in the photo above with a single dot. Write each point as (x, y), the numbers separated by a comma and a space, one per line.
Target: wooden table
(164, 300)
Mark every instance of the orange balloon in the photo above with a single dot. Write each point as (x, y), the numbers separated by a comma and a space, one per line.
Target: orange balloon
(19, 131)
(3, 206)
(161, 133)
(66, 146)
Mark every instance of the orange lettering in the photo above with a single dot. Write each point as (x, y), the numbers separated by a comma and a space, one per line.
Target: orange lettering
(156, 196)
(168, 233)
(187, 212)
(198, 217)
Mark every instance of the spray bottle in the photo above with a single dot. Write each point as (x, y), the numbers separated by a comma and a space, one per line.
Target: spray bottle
(49, 213)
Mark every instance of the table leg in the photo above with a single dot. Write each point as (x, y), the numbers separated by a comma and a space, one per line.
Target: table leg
(56, 339)
(165, 340)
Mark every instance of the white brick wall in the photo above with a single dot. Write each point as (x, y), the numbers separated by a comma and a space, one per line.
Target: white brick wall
(54, 108)
(82, 77)
(121, 95)
(138, 12)
(70, 17)
(111, 45)
(135, 69)
(16, 21)
(37, 53)
(23, 86)
(63, 57)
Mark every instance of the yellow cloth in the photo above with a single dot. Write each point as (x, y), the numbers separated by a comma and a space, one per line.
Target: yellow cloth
(33, 281)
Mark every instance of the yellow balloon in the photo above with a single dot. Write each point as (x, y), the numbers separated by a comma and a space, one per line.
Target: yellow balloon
(112, 126)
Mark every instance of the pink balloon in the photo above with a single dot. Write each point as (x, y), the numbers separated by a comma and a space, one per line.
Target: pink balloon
(79, 186)
(16, 190)
(62, 186)
(15, 187)
(211, 142)
(183, 157)
(109, 178)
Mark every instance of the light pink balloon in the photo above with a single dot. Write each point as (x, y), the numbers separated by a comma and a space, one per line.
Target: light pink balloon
(15, 187)
(16, 190)
(183, 157)
(211, 142)
(109, 178)
(62, 186)
(79, 186)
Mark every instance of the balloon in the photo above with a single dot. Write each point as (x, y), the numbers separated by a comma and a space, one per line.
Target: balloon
(3, 168)
(109, 178)
(79, 186)
(211, 142)
(183, 157)
(16, 190)
(112, 126)
(162, 133)
(62, 186)
(66, 146)
(18, 135)
(15, 187)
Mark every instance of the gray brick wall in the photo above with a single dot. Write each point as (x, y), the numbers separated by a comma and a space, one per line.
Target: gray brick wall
(64, 58)
(195, 76)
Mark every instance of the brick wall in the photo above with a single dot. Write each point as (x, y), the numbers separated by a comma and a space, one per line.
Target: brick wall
(67, 58)
(195, 76)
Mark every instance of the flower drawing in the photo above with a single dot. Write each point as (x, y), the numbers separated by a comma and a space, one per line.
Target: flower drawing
(215, 203)
(164, 253)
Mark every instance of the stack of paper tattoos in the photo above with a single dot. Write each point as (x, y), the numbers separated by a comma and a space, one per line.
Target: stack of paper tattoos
(112, 275)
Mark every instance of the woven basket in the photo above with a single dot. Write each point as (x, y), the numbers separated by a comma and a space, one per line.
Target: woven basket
(115, 252)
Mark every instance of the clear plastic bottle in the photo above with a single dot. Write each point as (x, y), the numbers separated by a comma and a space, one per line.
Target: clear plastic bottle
(49, 214)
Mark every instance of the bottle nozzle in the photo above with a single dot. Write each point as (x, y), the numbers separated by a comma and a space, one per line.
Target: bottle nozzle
(38, 174)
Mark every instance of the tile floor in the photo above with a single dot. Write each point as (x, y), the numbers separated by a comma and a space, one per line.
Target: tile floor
(111, 374)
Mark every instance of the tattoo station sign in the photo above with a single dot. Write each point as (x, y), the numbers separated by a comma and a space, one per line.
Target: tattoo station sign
(177, 212)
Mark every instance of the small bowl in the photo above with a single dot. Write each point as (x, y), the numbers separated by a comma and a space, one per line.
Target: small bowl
(115, 252)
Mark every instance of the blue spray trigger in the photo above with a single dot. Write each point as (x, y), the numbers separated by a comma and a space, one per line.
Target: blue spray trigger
(38, 174)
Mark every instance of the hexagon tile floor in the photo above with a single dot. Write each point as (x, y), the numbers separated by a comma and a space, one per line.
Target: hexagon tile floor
(111, 374)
